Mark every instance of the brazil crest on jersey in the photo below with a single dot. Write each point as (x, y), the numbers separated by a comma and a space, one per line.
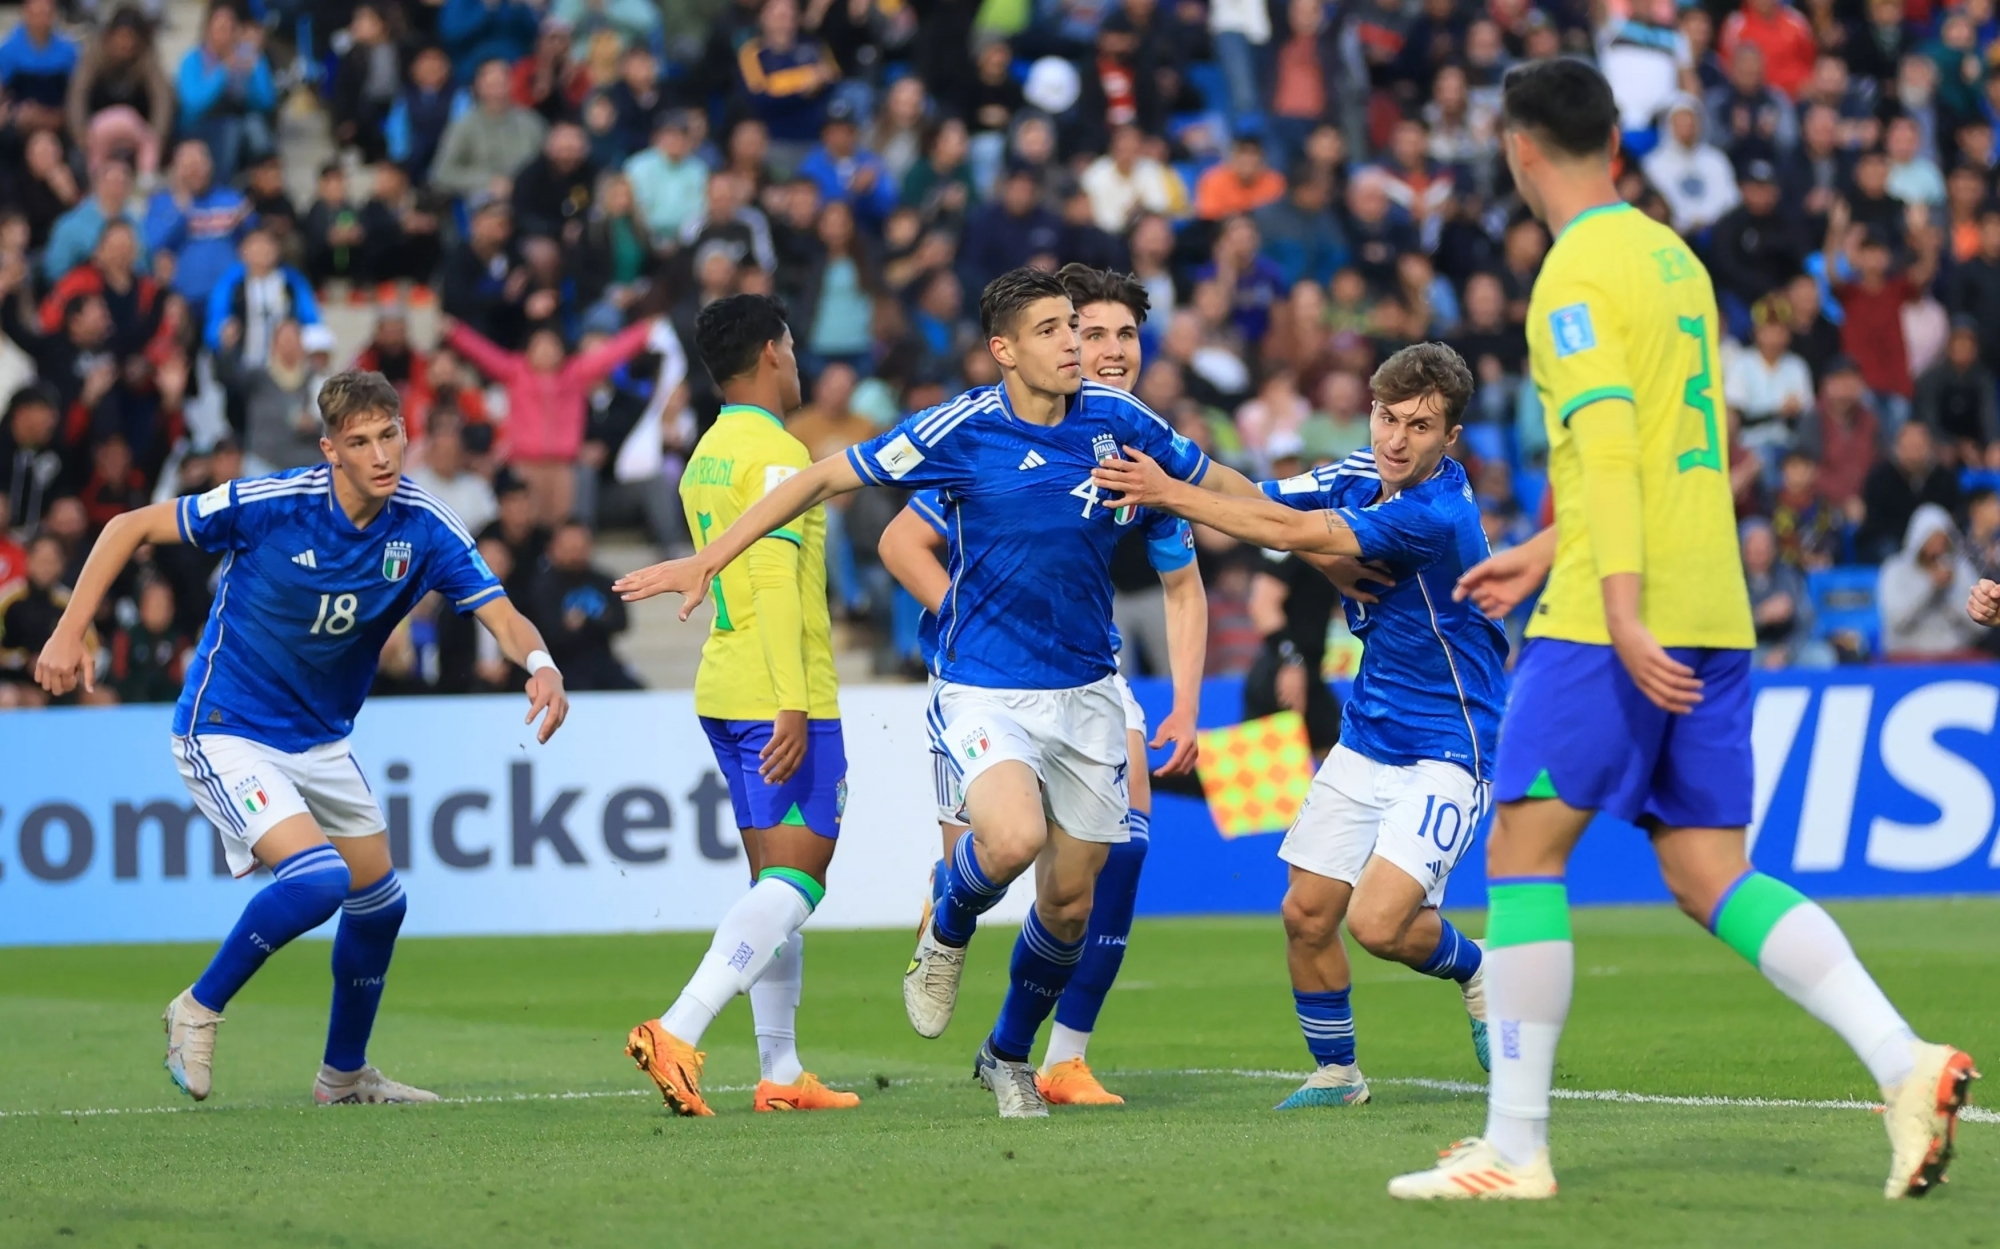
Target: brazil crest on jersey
(1030, 535)
(1432, 682)
(305, 602)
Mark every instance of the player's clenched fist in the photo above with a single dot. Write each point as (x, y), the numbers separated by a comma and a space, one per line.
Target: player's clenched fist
(1984, 604)
(65, 661)
(688, 578)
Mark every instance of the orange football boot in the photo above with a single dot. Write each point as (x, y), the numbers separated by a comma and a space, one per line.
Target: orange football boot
(1069, 1083)
(673, 1064)
(807, 1093)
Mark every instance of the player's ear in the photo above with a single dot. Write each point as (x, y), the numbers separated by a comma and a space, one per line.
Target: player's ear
(1003, 352)
(1451, 435)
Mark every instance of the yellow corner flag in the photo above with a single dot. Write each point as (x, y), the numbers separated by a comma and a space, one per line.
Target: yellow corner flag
(1256, 774)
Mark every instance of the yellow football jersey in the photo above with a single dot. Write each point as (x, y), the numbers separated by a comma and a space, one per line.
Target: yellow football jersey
(752, 667)
(1623, 314)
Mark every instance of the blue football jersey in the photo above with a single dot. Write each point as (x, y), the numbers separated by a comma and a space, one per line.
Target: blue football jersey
(305, 602)
(1030, 534)
(1169, 548)
(1433, 680)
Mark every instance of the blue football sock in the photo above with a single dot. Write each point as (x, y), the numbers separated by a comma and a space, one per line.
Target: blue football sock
(305, 891)
(968, 894)
(1328, 1023)
(1041, 968)
(1110, 925)
(938, 878)
(1457, 956)
(362, 945)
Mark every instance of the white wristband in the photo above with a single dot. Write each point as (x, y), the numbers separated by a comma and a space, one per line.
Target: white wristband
(538, 660)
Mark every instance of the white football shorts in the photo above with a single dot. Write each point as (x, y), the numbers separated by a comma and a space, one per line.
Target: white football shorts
(1135, 715)
(1074, 739)
(1420, 817)
(245, 788)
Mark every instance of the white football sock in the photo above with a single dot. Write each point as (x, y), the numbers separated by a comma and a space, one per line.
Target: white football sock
(1809, 960)
(774, 1007)
(1064, 1044)
(745, 943)
(1527, 999)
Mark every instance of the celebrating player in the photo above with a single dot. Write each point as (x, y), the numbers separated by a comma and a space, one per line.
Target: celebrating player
(1395, 804)
(321, 565)
(769, 702)
(1025, 706)
(915, 548)
(1633, 693)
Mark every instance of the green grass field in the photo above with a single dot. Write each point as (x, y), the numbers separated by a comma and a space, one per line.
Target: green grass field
(553, 1139)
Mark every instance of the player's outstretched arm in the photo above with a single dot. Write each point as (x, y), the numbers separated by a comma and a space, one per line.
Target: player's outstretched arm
(66, 659)
(1500, 583)
(1140, 481)
(1223, 479)
(521, 642)
(690, 577)
(1187, 655)
(1983, 605)
(912, 552)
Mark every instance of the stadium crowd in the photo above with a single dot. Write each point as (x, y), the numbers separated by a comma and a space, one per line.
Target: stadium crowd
(1301, 187)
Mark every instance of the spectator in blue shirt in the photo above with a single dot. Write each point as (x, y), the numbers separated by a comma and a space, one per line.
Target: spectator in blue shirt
(1254, 283)
(477, 31)
(1010, 231)
(36, 62)
(846, 171)
(76, 231)
(784, 78)
(1301, 236)
(198, 221)
(226, 95)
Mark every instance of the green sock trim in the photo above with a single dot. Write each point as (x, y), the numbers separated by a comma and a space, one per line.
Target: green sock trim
(1544, 786)
(1750, 910)
(1525, 914)
(794, 817)
(798, 880)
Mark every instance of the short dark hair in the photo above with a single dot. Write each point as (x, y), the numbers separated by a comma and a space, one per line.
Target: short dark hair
(1105, 286)
(354, 393)
(1979, 494)
(1425, 369)
(1565, 103)
(731, 332)
(1008, 296)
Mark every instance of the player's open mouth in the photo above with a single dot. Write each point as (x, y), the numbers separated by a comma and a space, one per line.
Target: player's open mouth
(1112, 370)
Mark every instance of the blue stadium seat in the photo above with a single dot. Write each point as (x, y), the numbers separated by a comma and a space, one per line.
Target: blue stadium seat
(1843, 601)
(1488, 442)
(1529, 486)
(1206, 77)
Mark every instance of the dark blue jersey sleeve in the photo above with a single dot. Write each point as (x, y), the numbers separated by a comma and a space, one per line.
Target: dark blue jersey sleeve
(1404, 530)
(927, 450)
(929, 507)
(1169, 541)
(1139, 426)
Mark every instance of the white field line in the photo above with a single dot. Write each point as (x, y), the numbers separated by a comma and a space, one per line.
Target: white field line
(1971, 1114)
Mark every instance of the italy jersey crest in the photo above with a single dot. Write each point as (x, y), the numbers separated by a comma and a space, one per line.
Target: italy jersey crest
(396, 561)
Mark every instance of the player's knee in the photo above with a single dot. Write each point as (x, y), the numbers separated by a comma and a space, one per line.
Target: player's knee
(1065, 918)
(320, 893)
(1309, 920)
(1006, 850)
(1378, 931)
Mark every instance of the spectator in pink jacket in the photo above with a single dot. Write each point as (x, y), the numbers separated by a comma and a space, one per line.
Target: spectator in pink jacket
(546, 396)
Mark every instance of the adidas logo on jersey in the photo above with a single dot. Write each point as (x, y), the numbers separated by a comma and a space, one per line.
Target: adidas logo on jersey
(306, 559)
(1034, 460)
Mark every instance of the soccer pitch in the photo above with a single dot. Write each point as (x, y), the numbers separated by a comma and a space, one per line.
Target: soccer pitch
(551, 1137)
